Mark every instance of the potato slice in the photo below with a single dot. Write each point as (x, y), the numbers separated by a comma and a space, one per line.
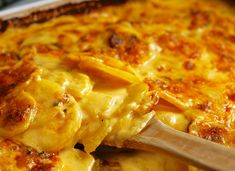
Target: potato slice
(97, 108)
(16, 113)
(74, 83)
(132, 116)
(73, 159)
(99, 68)
(49, 98)
(93, 133)
(57, 134)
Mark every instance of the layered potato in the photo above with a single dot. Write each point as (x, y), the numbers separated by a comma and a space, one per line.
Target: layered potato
(99, 77)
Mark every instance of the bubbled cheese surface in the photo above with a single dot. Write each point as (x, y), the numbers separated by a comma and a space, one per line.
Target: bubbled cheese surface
(100, 77)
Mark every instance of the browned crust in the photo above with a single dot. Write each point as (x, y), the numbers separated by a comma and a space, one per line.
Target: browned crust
(67, 9)
(27, 157)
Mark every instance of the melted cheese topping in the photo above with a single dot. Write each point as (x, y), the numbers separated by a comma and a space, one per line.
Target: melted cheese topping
(98, 77)
(18, 157)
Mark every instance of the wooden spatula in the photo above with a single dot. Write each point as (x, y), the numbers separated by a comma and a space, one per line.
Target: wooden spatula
(199, 152)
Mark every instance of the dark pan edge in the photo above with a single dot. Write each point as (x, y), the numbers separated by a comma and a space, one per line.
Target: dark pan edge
(67, 9)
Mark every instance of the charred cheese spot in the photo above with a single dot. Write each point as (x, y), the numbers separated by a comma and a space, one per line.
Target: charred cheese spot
(213, 133)
(178, 45)
(232, 97)
(129, 47)
(206, 106)
(199, 18)
(115, 41)
(188, 65)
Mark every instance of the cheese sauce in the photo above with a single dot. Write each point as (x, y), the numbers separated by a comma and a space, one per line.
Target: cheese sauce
(100, 77)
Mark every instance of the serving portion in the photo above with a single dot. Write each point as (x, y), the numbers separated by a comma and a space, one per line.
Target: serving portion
(99, 77)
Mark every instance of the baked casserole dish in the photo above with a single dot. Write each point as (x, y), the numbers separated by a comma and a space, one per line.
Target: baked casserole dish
(81, 75)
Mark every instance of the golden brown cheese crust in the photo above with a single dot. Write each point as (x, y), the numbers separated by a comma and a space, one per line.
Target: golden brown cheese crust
(183, 53)
(25, 158)
(14, 72)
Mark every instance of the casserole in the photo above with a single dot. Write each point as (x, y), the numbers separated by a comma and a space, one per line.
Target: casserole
(89, 73)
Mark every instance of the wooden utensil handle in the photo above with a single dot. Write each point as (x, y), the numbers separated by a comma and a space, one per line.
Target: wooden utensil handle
(197, 151)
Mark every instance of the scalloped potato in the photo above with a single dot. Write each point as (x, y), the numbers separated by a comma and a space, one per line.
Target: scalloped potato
(98, 77)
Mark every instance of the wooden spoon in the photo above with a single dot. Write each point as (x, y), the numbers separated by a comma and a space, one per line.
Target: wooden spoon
(197, 151)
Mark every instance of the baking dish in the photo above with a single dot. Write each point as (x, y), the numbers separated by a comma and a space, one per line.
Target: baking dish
(23, 21)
